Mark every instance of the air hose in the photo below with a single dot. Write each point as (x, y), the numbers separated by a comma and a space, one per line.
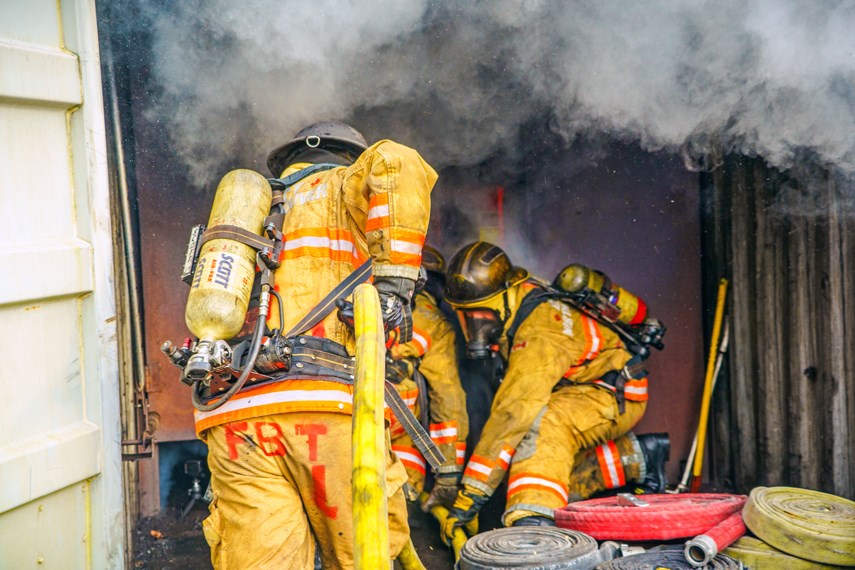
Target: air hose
(758, 555)
(665, 517)
(808, 524)
(533, 548)
(667, 559)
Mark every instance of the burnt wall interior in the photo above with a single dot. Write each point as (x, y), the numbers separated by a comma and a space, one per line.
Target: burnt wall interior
(630, 213)
(784, 413)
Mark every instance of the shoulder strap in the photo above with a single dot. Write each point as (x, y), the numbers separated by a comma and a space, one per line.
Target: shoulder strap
(529, 304)
(322, 309)
(290, 180)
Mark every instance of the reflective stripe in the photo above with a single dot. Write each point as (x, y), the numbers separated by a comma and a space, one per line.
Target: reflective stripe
(422, 340)
(410, 457)
(633, 390)
(410, 397)
(406, 246)
(291, 396)
(505, 456)
(479, 468)
(334, 243)
(445, 432)
(378, 212)
(459, 452)
(608, 457)
(593, 340)
(530, 481)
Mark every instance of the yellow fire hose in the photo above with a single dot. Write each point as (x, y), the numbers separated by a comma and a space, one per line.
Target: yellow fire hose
(808, 524)
(440, 513)
(758, 555)
(370, 511)
(708, 385)
(370, 514)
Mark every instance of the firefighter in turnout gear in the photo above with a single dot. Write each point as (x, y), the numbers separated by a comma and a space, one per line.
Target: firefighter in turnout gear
(429, 378)
(279, 452)
(571, 392)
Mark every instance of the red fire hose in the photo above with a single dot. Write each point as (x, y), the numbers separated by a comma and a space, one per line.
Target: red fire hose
(665, 517)
(703, 548)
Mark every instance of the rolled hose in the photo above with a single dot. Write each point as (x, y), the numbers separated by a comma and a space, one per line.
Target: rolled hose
(807, 524)
(758, 555)
(666, 517)
(670, 559)
(533, 548)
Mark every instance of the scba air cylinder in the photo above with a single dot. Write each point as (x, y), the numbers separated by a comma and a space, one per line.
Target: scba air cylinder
(222, 283)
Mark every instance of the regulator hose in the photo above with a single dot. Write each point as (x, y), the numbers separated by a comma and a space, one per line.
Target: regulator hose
(665, 517)
(670, 559)
(758, 555)
(808, 524)
(255, 347)
(533, 548)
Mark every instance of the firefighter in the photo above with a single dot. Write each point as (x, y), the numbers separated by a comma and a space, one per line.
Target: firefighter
(279, 454)
(425, 372)
(557, 421)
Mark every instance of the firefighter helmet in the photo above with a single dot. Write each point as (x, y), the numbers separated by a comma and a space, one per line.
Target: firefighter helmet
(479, 272)
(432, 260)
(333, 136)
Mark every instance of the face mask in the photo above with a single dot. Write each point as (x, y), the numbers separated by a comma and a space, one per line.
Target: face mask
(482, 329)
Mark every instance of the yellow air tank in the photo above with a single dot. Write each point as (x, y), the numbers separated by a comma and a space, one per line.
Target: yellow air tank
(580, 280)
(221, 287)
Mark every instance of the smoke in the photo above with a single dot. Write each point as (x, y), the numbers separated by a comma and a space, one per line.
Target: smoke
(460, 80)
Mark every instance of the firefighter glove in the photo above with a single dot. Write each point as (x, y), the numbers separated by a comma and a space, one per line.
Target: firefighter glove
(345, 312)
(396, 294)
(444, 493)
(463, 513)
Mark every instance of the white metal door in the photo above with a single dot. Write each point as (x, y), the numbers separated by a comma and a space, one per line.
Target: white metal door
(60, 466)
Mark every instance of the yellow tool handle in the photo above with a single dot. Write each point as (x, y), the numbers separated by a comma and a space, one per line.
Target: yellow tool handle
(370, 511)
(708, 382)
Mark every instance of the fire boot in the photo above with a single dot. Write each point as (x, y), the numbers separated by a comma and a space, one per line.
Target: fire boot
(534, 521)
(656, 449)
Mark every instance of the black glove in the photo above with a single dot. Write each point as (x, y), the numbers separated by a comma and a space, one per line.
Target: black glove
(396, 294)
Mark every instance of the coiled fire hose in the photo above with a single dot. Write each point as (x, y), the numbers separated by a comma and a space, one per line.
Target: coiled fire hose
(808, 524)
(666, 559)
(665, 517)
(533, 548)
(757, 555)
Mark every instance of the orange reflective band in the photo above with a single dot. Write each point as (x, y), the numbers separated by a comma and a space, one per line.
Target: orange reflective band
(421, 340)
(410, 457)
(378, 212)
(445, 432)
(593, 339)
(505, 456)
(636, 390)
(406, 246)
(460, 452)
(479, 468)
(611, 466)
(332, 243)
(278, 398)
(535, 482)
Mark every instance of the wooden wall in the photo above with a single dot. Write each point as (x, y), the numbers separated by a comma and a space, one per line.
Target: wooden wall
(784, 411)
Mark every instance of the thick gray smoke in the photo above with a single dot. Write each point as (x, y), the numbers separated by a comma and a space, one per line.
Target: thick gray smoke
(461, 80)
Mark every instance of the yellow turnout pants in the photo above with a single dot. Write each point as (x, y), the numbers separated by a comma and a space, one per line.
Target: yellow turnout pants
(283, 481)
(548, 469)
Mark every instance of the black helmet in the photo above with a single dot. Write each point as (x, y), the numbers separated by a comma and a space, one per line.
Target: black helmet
(432, 260)
(478, 272)
(333, 136)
